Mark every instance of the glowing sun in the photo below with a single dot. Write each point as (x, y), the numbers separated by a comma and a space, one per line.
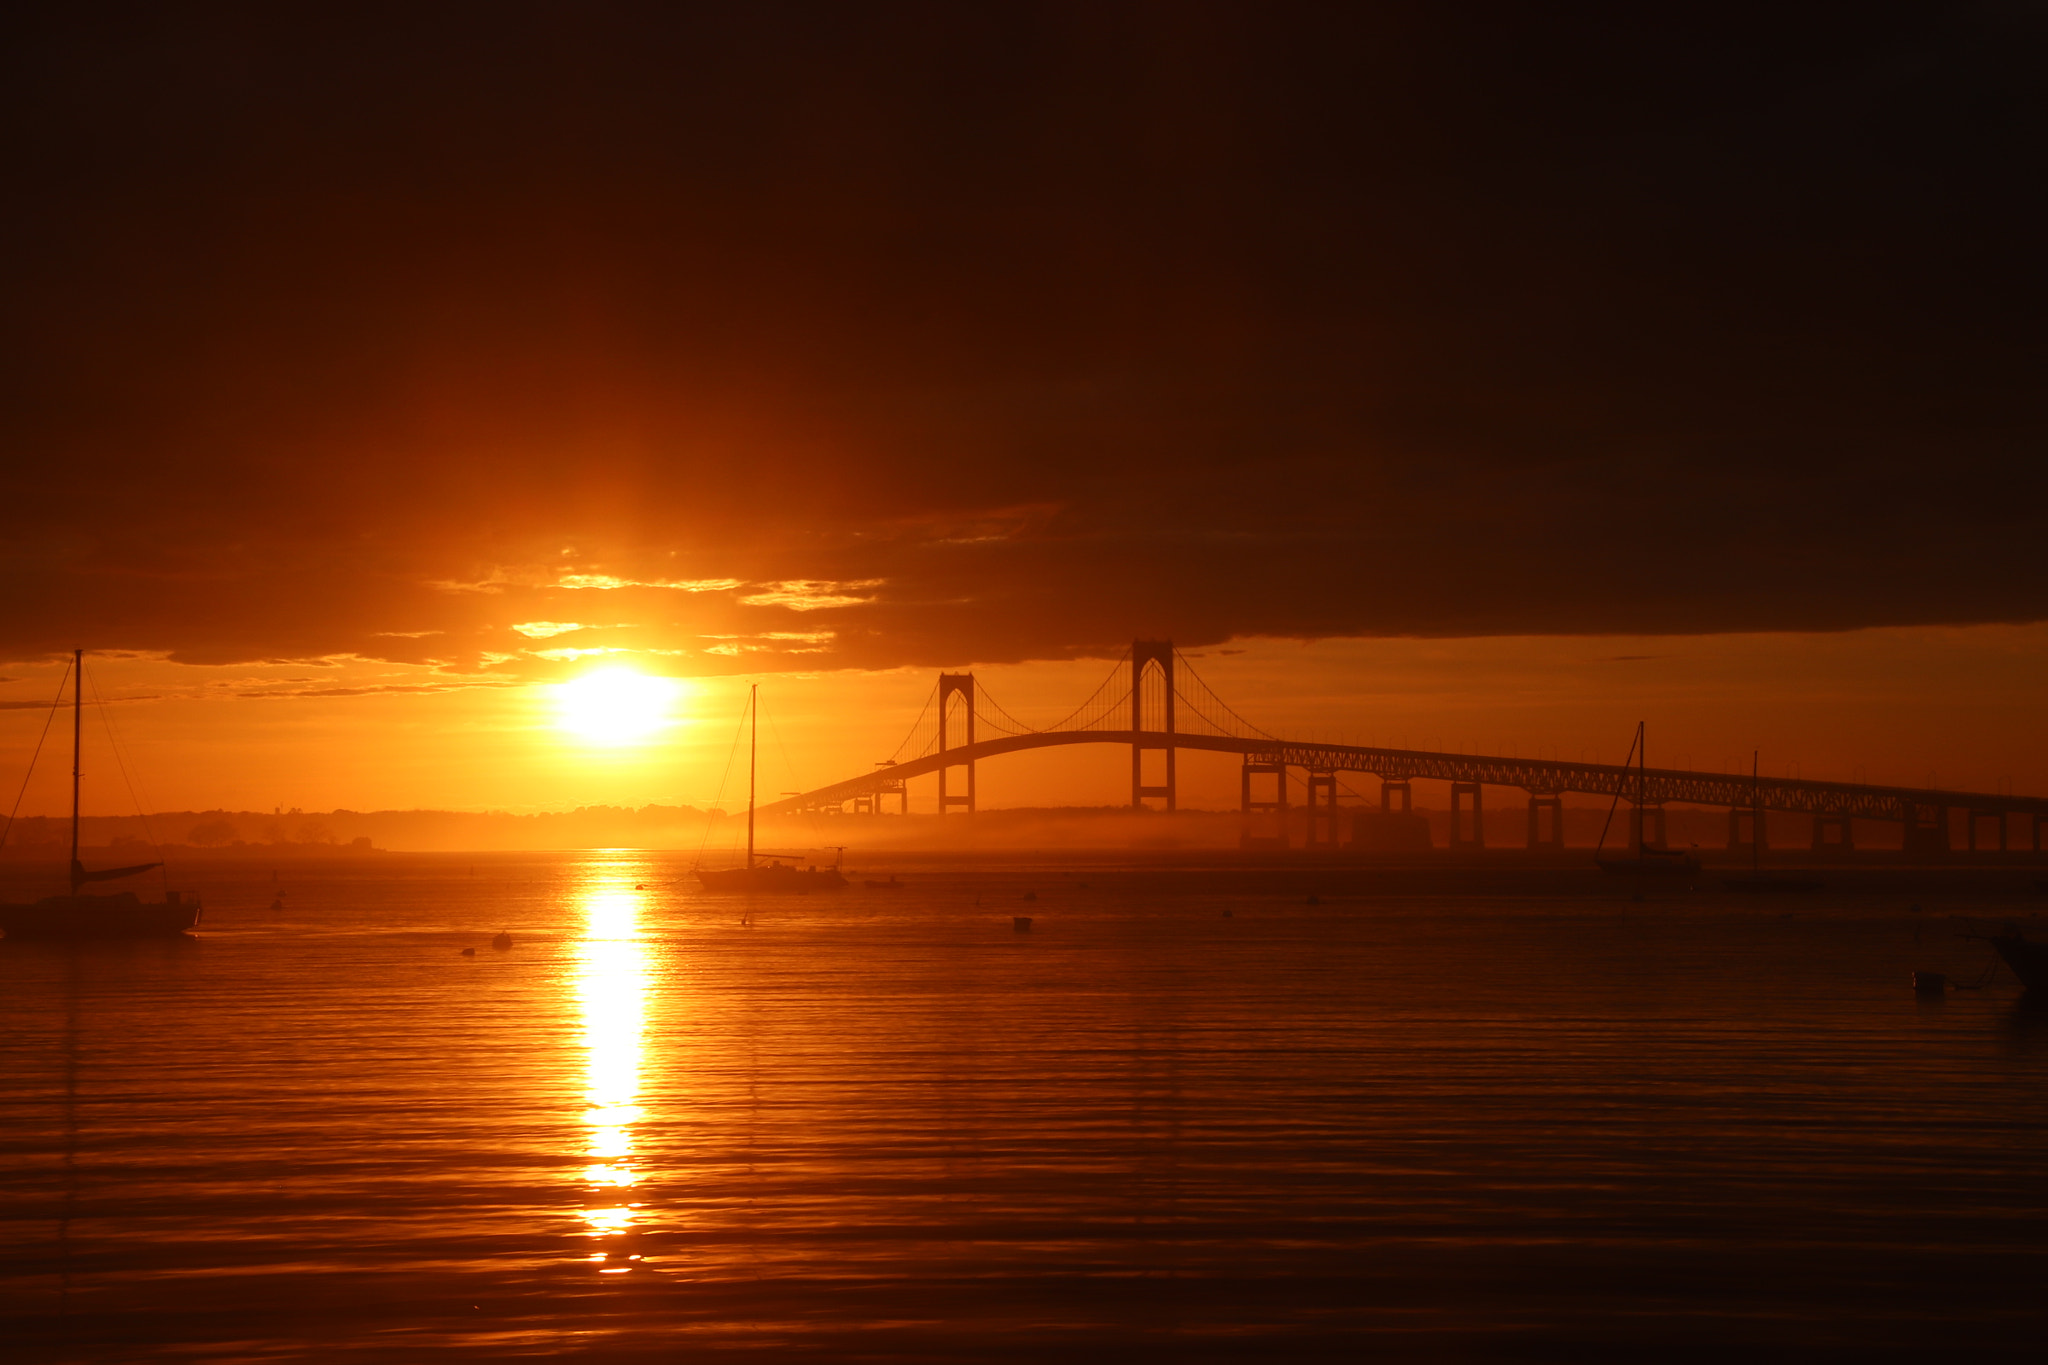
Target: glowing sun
(616, 705)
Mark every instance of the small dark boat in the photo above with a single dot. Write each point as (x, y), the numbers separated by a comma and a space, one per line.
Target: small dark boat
(2028, 959)
(76, 916)
(1758, 885)
(891, 885)
(502, 941)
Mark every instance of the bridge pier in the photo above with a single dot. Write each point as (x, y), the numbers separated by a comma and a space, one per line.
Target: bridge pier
(1477, 840)
(1537, 805)
(950, 686)
(1926, 830)
(1322, 809)
(1999, 816)
(1758, 835)
(1160, 654)
(1388, 790)
(1248, 807)
(1844, 830)
(1650, 815)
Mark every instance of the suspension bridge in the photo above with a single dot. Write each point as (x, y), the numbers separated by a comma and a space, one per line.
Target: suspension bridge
(1154, 702)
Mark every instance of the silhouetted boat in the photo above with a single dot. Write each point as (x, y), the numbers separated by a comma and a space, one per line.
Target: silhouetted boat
(77, 916)
(2028, 959)
(774, 875)
(1756, 882)
(1652, 862)
(891, 885)
(1647, 862)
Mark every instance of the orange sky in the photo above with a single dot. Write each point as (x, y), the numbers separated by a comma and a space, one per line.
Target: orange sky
(366, 375)
(1956, 707)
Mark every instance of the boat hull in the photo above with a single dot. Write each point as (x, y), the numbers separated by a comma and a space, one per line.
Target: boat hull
(2028, 960)
(773, 878)
(1650, 867)
(95, 917)
(1768, 885)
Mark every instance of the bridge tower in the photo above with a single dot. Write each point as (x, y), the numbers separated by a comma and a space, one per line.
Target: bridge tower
(1159, 654)
(950, 686)
(1323, 828)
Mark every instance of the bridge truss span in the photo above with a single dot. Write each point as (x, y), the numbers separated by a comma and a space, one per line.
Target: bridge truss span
(1538, 777)
(1154, 700)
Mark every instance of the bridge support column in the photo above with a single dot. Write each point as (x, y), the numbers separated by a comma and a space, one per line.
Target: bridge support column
(1389, 790)
(1646, 820)
(1255, 767)
(1322, 809)
(1159, 654)
(950, 686)
(1537, 805)
(1841, 827)
(2037, 832)
(1477, 838)
(1756, 833)
(1997, 815)
(1926, 830)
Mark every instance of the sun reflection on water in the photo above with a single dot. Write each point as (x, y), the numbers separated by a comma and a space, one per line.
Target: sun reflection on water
(611, 991)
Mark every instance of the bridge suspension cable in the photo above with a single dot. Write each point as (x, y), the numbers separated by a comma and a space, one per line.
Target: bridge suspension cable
(923, 738)
(1202, 702)
(1106, 706)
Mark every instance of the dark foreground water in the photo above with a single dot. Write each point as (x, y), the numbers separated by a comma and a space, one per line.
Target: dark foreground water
(884, 1125)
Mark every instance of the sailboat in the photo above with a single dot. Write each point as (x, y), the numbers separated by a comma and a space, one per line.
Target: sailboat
(1653, 862)
(1756, 881)
(77, 915)
(774, 874)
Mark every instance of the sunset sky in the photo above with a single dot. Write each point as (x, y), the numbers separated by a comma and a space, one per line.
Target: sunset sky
(371, 371)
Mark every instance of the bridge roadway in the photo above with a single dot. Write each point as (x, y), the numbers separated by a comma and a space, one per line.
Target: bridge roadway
(1538, 777)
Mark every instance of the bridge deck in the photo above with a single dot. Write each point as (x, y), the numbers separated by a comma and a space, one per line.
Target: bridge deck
(1534, 775)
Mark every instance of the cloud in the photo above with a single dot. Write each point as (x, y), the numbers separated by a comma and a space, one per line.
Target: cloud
(612, 582)
(1349, 322)
(805, 594)
(541, 630)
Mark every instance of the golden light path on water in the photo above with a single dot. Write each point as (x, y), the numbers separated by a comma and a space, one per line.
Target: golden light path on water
(611, 990)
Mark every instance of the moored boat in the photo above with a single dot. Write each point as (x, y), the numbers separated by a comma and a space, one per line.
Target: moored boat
(773, 875)
(76, 915)
(1647, 861)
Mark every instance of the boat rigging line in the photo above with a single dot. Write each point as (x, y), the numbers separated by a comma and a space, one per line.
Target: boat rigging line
(48, 721)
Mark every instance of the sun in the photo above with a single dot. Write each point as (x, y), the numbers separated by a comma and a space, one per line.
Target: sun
(616, 705)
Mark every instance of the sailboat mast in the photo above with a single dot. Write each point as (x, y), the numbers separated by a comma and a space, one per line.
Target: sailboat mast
(753, 749)
(77, 743)
(1756, 815)
(1642, 788)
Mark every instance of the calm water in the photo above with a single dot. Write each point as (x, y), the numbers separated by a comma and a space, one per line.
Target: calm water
(887, 1126)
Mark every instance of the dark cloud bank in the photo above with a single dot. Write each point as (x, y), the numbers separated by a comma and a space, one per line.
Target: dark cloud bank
(1026, 327)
